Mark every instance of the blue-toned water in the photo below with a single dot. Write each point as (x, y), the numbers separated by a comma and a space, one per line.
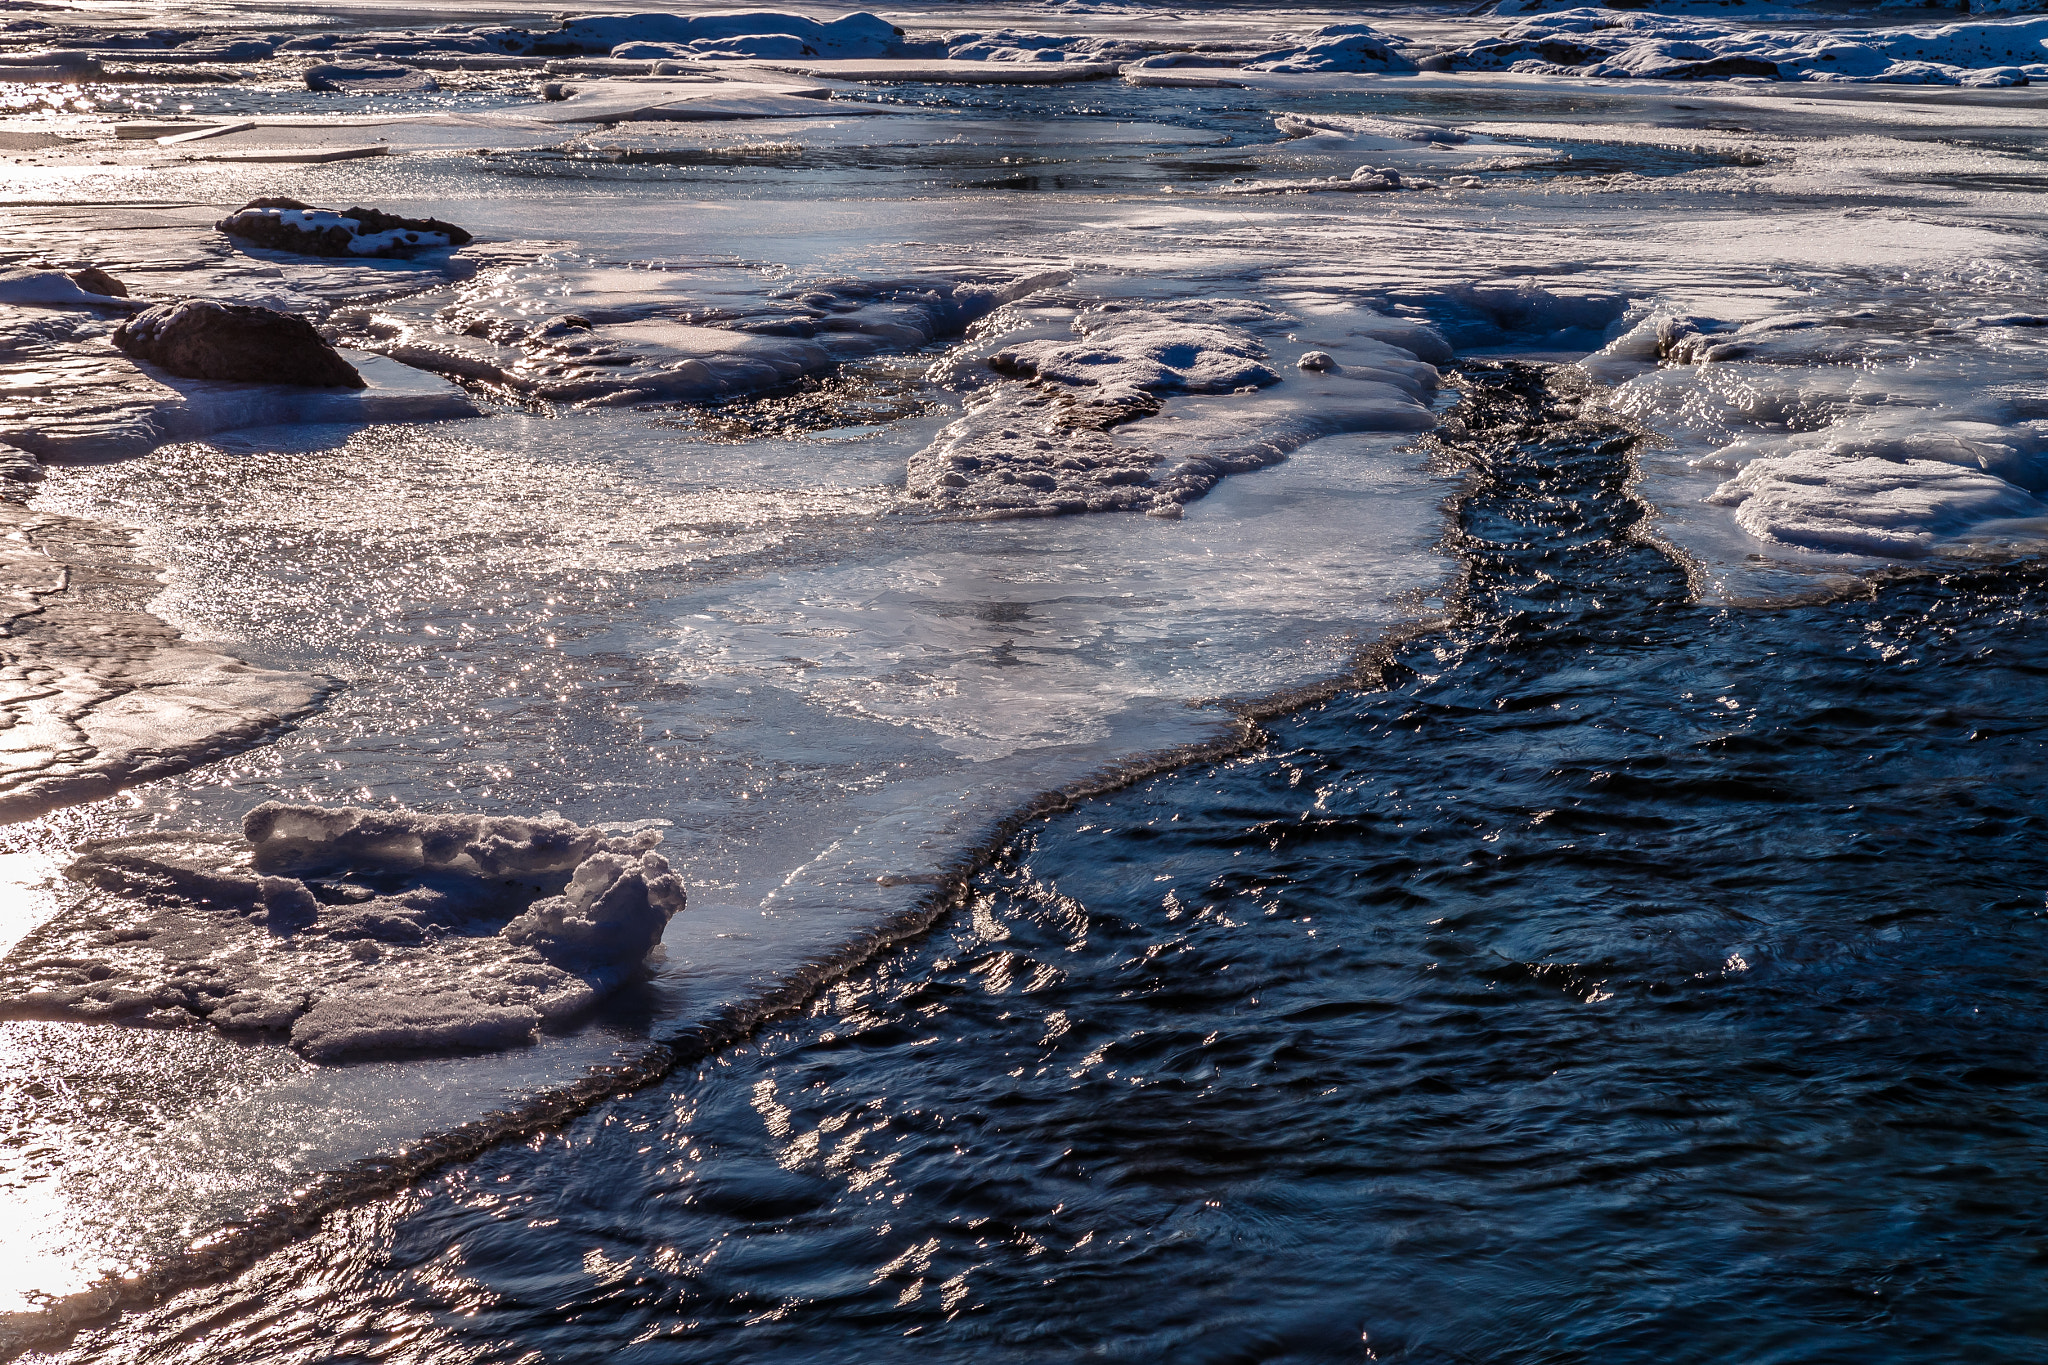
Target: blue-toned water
(1608, 977)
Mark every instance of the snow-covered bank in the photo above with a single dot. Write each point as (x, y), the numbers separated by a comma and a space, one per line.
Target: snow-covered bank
(1632, 45)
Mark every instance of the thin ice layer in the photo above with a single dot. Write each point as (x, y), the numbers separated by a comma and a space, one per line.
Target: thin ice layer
(97, 694)
(354, 931)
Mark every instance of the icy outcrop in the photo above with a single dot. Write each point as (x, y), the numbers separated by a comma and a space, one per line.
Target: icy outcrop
(1143, 406)
(201, 339)
(354, 931)
(1124, 352)
(613, 910)
(288, 225)
(1636, 45)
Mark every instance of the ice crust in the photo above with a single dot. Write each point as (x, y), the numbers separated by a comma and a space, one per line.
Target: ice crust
(1095, 408)
(355, 931)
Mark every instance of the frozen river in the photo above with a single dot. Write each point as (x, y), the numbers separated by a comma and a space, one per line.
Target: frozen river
(926, 491)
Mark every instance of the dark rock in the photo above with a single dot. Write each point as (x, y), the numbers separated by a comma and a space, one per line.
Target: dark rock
(201, 339)
(94, 280)
(288, 225)
(370, 80)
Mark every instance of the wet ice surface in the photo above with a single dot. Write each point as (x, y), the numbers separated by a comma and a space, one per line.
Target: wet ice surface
(736, 619)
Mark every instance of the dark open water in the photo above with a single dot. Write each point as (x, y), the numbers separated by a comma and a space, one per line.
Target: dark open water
(1622, 980)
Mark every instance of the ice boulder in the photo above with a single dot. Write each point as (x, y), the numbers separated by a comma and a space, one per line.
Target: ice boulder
(288, 225)
(613, 910)
(201, 339)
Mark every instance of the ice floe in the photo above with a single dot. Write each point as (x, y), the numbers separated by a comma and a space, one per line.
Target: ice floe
(354, 931)
(95, 693)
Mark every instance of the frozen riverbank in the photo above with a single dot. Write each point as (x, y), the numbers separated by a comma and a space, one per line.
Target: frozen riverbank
(733, 541)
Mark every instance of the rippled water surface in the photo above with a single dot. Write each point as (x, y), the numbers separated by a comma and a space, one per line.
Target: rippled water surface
(1613, 977)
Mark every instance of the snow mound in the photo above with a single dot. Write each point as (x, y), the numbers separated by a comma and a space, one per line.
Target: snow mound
(52, 288)
(356, 931)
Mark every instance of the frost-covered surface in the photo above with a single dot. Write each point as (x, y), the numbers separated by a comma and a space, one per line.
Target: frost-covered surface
(1143, 407)
(353, 931)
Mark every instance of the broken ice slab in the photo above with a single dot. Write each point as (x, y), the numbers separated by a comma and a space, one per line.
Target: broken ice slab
(289, 156)
(85, 400)
(200, 134)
